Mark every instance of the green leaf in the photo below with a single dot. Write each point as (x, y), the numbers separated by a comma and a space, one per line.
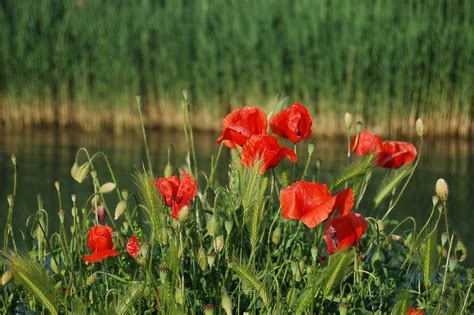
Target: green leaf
(353, 171)
(429, 256)
(390, 183)
(336, 270)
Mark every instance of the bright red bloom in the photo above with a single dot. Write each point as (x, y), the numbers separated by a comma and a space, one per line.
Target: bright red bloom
(395, 154)
(414, 311)
(366, 143)
(99, 240)
(177, 193)
(310, 202)
(133, 247)
(293, 123)
(344, 231)
(266, 149)
(344, 201)
(242, 123)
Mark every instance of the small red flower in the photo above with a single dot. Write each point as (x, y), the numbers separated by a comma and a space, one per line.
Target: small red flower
(366, 143)
(312, 203)
(177, 193)
(99, 240)
(293, 123)
(133, 247)
(344, 231)
(241, 124)
(395, 154)
(414, 311)
(266, 149)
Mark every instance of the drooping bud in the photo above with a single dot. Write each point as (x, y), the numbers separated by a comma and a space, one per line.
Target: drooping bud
(79, 173)
(120, 209)
(202, 259)
(226, 303)
(276, 236)
(13, 159)
(348, 120)
(164, 274)
(56, 184)
(125, 193)
(228, 224)
(435, 200)
(442, 189)
(107, 187)
(212, 225)
(218, 243)
(183, 214)
(7, 277)
(73, 198)
(209, 309)
(61, 214)
(91, 279)
(211, 258)
(419, 127)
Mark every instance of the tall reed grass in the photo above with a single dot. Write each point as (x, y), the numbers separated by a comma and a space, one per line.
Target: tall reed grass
(80, 62)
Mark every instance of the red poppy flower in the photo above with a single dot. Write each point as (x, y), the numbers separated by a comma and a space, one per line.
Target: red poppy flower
(312, 203)
(266, 149)
(366, 143)
(343, 231)
(414, 311)
(177, 193)
(344, 201)
(241, 124)
(395, 154)
(133, 247)
(99, 240)
(293, 123)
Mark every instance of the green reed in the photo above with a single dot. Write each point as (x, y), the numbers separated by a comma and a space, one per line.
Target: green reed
(385, 60)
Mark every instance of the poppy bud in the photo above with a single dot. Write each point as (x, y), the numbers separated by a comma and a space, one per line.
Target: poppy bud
(212, 225)
(95, 200)
(348, 120)
(276, 236)
(202, 259)
(13, 158)
(460, 251)
(218, 243)
(419, 127)
(120, 209)
(380, 226)
(228, 224)
(209, 309)
(79, 173)
(435, 200)
(314, 252)
(101, 214)
(359, 127)
(91, 279)
(168, 172)
(294, 266)
(311, 147)
(211, 258)
(7, 277)
(164, 274)
(61, 216)
(107, 187)
(183, 214)
(10, 200)
(442, 189)
(73, 198)
(226, 303)
(56, 184)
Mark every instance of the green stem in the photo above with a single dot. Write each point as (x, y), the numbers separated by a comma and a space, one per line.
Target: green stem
(142, 125)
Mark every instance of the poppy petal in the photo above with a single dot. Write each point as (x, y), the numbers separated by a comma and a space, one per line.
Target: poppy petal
(395, 154)
(168, 188)
(344, 201)
(100, 255)
(365, 143)
(293, 123)
(319, 214)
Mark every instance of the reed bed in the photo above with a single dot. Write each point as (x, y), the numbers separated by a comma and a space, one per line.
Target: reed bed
(80, 63)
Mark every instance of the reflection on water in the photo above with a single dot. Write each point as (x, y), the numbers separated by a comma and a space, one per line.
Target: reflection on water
(46, 156)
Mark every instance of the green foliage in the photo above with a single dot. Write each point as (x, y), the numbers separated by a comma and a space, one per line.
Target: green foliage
(336, 270)
(390, 183)
(429, 255)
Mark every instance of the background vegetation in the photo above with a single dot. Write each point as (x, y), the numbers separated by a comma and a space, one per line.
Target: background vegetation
(80, 62)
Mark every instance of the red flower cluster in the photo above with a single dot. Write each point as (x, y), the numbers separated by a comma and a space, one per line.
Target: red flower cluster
(313, 203)
(247, 127)
(390, 154)
(177, 193)
(99, 240)
(133, 247)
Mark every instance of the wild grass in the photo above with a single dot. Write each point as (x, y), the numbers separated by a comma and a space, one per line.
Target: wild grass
(80, 63)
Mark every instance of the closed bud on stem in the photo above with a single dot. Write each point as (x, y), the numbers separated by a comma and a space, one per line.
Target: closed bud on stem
(211, 258)
(359, 126)
(56, 184)
(91, 279)
(202, 259)
(7, 277)
(183, 214)
(168, 172)
(79, 173)
(226, 303)
(61, 216)
(14, 159)
(276, 236)
(442, 189)
(218, 243)
(311, 147)
(213, 225)
(164, 274)
(10, 200)
(435, 200)
(107, 187)
(73, 198)
(294, 266)
(348, 120)
(380, 226)
(209, 309)
(120, 209)
(125, 193)
(228, 224)
(419, 127)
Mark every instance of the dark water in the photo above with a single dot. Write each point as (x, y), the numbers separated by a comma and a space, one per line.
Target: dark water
(46, 156)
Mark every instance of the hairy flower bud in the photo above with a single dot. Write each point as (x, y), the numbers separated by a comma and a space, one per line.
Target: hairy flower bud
(164, 274)
(228, 224)
(91, 279)
(314, 252)
(7, 277)
(213, 225)
(57, 186)
(13, 158)
(218, 243)
(107, 187)
(348, 120)
(183, 214)
(276, 236)
(442, 189)
(226, 303)
(202, 259)
(79, 173)
(120, 209)
(61, 215)
(211, 258)
(419, 127)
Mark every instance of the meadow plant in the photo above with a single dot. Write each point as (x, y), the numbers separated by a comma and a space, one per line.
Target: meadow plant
(269, 239)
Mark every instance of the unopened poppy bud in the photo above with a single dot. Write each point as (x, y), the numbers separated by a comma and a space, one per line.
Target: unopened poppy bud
(226, 303)
(202, 259)
(56, 184)
(183, 214)
(209, 309)
(107, 187)
(10, 200)
(61, 216)
(179, 297)
(311, 147)
(442, 189)
(124, 193)
(168, 172)
(91, 279)
(359, 127)
(212, 225)
(120, 209)
(95, 200)
(13, 158)
(218, 243)
(294, 266)
(101, 214)
(419, 127)
(211, 258)
(460, 251)
(442, 251)
(73, 198)
(79, 173)
(7, 277)
(314, 252)
(380, 226)
(164, 274)
(348, 120)
(435, 200)
(228, 224)
(276, 236)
